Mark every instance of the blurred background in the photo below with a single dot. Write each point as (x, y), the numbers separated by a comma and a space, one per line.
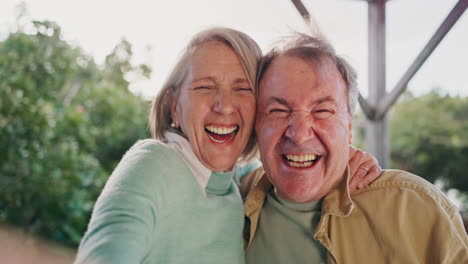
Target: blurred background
(77, 77)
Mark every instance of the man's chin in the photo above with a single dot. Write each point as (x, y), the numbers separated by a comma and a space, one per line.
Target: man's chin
(298, 194)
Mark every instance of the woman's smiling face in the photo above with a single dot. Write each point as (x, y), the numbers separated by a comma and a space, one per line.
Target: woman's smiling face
(215, 107)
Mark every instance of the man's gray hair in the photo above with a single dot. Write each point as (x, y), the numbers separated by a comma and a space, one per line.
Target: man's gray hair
(316, 50)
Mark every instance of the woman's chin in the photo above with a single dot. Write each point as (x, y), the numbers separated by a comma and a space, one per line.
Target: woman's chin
(219, 158)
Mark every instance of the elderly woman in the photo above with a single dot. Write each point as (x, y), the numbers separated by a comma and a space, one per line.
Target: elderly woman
(175, 198)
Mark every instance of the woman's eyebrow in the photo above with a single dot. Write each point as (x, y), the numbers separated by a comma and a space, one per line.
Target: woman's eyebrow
(240, 81)
(205, 78)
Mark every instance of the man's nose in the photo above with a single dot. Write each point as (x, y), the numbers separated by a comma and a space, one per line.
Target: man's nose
(300, 128)
(224, 103)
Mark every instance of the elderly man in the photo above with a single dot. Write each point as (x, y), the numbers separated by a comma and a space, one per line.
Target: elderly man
(299, 209)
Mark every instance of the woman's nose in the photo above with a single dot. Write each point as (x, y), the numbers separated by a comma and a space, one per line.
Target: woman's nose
(224, 103)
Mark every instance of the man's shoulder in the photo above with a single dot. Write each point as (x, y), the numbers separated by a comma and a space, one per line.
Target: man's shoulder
(403, 216)
(400, 183)
(250, 180)
(405, 180)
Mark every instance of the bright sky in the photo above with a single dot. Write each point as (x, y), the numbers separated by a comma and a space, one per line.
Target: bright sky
(167, 25)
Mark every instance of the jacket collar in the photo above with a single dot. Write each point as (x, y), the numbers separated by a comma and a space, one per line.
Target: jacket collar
(338, 200)
(254, 200)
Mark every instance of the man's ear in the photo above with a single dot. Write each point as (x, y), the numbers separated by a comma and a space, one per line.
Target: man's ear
(350, 127)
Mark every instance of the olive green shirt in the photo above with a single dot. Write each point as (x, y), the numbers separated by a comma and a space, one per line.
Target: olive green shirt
(285, 233)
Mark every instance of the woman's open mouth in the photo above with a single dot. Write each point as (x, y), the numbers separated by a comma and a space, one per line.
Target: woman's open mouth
(221, 134)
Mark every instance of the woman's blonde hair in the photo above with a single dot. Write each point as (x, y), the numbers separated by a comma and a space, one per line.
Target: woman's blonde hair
(249, 54)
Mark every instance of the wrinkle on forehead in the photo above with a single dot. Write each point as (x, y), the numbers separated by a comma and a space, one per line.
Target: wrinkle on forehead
(324, 67)
(326, 74)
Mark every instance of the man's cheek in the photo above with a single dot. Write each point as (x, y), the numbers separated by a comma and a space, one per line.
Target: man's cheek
(265, 131)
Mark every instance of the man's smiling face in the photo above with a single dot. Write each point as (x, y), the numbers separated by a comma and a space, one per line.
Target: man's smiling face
(303, 127)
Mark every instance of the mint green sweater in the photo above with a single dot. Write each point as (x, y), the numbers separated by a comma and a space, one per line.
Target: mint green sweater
(153, 210)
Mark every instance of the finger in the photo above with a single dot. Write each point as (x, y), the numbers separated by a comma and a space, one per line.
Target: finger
(353, 183)
(352, 188)
(358, 175)
(362, 171)
(355, 162)
(374, 173)
(377, 168)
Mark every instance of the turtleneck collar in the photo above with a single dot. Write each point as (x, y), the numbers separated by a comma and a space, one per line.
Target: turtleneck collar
(299, 207)
(216, 183)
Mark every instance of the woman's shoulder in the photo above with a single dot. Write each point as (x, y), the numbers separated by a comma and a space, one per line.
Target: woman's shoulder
(148, 146)
(145, 165)
(149, 152)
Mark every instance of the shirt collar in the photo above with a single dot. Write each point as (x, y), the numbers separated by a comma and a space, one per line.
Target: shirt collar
(216, 183)
(298, 207)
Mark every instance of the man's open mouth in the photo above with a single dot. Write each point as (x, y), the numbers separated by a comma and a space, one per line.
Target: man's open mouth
(221, 134)
(300, 161)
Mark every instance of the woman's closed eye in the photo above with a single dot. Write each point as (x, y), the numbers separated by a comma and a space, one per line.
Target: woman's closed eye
(202, 89)
(244, 90)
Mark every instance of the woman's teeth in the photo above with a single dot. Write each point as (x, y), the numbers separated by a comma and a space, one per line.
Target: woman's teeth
(221, 134)
(300, 161)
(221, 130)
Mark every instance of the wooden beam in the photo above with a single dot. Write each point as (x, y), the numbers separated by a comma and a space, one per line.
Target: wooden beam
(369, 110)
(302, 9)
(377, 138)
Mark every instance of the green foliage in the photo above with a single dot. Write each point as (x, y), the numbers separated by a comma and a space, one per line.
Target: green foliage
(65, 122)
(429, 137)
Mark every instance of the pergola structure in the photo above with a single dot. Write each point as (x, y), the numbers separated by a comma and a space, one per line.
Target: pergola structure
(377, 104)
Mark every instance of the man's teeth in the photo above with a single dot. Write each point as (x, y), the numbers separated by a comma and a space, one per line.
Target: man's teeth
(301, 158)
(300, 161)
(300, 165)
(221, 130)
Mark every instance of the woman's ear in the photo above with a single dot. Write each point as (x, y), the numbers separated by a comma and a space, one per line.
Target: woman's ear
(173, 101)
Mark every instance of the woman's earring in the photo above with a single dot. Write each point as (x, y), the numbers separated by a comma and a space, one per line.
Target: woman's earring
(173, 125)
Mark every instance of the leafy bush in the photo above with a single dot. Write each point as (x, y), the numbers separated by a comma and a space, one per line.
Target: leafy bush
(65, 122)
(429, 137)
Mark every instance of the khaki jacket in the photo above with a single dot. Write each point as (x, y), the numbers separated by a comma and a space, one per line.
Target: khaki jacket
(399, 218)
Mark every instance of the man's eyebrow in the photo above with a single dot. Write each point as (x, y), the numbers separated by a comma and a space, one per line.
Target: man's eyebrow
(324, 100)
(278, 100)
